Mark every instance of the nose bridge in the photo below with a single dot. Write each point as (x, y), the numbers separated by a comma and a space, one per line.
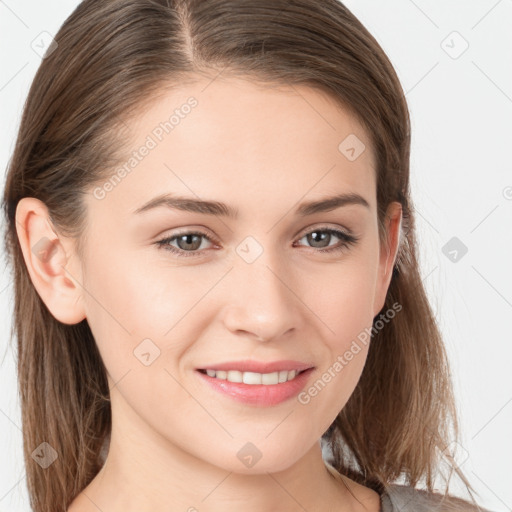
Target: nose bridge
(262, 301)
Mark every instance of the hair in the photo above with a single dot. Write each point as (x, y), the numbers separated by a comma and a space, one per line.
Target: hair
(114, 56)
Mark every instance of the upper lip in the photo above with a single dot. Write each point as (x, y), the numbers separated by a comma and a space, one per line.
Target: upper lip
(258, 367)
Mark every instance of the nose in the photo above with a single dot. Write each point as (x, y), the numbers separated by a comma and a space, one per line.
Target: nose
(264, 300)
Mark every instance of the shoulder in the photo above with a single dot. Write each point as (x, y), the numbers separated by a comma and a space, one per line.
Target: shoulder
(403, 498)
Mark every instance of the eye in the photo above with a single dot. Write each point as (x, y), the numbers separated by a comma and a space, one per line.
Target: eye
(320, 237)
(189, 243)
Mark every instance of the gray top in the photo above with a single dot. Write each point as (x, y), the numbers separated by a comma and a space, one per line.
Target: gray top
(402, 498)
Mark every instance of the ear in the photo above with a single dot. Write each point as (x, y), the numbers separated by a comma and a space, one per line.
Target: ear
(51, 261)
(387, 254)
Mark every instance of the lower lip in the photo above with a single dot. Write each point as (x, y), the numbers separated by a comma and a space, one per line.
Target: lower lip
(259, 394)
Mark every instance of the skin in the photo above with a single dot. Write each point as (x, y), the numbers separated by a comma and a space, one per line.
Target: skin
(175, 441)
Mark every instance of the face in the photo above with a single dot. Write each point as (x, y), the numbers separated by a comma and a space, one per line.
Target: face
(177, 288)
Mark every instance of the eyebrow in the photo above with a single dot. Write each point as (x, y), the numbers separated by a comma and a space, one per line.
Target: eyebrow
(190, 204)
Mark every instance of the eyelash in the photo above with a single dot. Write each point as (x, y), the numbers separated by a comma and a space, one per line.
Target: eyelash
(346, 241)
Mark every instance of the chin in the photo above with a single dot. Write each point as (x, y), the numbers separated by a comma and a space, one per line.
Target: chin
(262, 467)
(257, 458)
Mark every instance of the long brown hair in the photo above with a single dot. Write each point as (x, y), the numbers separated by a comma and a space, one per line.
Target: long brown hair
(111, 57)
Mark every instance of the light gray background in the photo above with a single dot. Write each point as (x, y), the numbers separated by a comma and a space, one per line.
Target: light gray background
(461, 109)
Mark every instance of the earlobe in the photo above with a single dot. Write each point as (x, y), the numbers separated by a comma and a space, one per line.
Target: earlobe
(388, 254)
(50, 261)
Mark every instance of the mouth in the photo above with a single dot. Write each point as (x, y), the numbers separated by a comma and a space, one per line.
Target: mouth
(257, 383)
(253, 378)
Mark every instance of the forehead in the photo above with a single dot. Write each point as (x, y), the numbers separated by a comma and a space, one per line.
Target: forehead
(241, 142)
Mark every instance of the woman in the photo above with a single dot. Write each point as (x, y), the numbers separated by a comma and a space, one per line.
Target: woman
(211, 231)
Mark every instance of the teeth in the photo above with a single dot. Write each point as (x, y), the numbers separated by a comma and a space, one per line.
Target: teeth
(234, 376)
(253, 377)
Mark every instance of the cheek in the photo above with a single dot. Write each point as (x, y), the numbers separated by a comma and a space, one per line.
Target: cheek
(122, 308)
(134, 316)
(344, 304)
(343, 299)
(137, 305)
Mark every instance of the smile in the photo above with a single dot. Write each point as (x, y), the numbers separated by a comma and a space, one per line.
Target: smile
(253, 378)
(273, 384)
